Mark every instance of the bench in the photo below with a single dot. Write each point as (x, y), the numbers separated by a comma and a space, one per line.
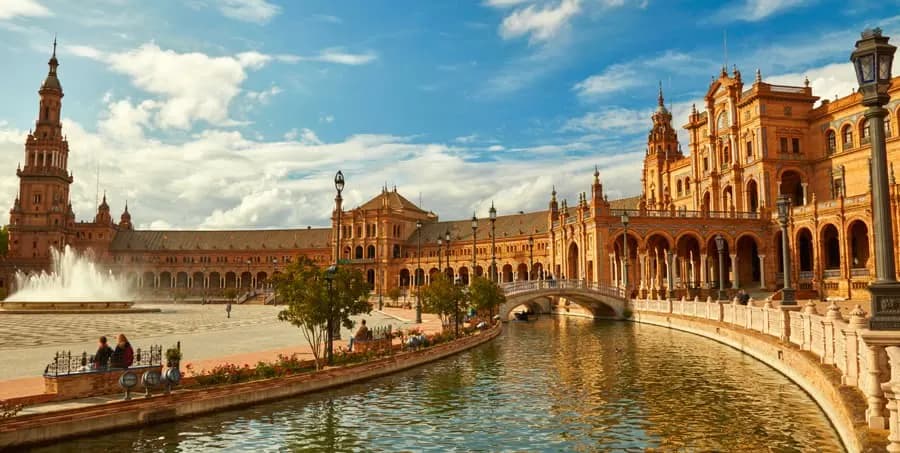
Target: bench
(71, 376)
(380, 339)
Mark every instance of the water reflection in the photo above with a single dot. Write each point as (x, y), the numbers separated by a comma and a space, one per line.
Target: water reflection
(550, 385)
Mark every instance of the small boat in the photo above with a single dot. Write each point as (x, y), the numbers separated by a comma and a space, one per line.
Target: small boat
(521, 315)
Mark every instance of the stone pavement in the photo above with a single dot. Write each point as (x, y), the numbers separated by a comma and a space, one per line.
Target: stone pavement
(208, 339)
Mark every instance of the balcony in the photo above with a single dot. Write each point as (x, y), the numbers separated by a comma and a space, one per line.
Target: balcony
(859, 272)
(831, 273)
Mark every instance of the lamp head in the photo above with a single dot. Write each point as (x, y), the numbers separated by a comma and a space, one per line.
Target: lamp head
(493, 212)
(625, 218)
(418, 224)
(339, 182)
(474, 222)
(720, 242)
(872, 60)
(784, 206)
(447, 236)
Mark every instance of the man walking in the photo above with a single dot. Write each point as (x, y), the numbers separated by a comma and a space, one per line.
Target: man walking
(228, 310)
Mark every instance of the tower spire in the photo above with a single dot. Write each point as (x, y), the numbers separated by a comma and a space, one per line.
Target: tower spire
(661, 100)
(54, 46)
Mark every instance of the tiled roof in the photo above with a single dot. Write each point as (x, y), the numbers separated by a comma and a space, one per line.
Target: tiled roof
(394, 201)
(625, 203)
(505, 226)
(221, 240)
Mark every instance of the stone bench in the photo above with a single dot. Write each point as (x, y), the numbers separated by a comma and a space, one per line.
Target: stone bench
(92, 382)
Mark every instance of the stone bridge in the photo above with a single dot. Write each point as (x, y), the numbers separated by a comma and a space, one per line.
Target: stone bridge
(602, 301)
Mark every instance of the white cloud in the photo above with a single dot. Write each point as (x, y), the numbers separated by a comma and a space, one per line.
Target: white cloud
(257, 11)
(10, 9)
(504, 3)
(191, 86)
(616, 119)
(465, 139)
(326, 119)
(263, 96)
(756, 10)
(539, 23)
(496, 148)
(334, 55)
(615, 78)
(327, 18)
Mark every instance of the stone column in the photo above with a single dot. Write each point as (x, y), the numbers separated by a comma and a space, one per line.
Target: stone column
(735, 280)
(805, 186)
(891, 391)
(762, 271)
(643, 258)
(703, 280)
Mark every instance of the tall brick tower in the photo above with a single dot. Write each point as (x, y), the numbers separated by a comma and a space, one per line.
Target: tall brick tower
(662, 148)
(41, 212)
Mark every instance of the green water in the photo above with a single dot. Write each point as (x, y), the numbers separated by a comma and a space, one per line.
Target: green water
(550, 385)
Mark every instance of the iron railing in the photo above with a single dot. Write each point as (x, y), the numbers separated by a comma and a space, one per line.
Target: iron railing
(65, 363)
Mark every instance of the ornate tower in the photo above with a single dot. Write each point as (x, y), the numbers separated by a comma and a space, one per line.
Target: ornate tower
(662, 148)
(40, 214)
(125, 220)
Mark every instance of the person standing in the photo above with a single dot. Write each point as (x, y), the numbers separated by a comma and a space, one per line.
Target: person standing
(228, 310)
(104, 352)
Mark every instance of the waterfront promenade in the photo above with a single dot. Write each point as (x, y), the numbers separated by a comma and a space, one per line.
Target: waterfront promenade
(208, 338)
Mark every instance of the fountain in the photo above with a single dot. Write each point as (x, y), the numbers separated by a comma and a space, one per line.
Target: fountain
(74, 284)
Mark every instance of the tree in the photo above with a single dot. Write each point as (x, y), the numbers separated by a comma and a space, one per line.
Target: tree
(394, 294)
(310, 299)
(443, 298)
(303, 288)
(484, 294)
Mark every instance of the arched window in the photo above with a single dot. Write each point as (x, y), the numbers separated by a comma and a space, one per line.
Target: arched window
(887, 126)
(831, 142)
(847, 137)
(722, 121)
(726, 155)
(679, 187)
(370, 251)
(864, 132)
(46, 113)
(687, 185)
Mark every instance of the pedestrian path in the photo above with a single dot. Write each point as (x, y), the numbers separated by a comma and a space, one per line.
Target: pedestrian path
(204, 350)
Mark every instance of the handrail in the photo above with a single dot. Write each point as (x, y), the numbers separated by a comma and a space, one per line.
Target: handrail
(512, 288)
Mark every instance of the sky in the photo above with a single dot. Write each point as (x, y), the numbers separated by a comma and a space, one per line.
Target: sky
(236, 114)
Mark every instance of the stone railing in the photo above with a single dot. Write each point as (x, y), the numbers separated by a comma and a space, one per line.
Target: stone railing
(512, 288)
(866, 360)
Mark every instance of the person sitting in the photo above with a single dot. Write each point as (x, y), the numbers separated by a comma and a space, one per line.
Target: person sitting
(744, 298)
(362, 334)
(123, 355)
(101, 358)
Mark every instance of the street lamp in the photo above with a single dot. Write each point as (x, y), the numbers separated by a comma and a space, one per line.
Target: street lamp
(447, 243)
(784, 208)
(474, 249)
(329, 338)
(339, 187)
(440, 250)
(249, 277)
(625, 220)
(418, 268)
(720, 246)
(274, 270)
(493, 217)
(872, 59)
(530, 256)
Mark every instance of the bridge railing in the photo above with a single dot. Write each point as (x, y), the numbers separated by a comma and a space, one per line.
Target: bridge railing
(863, 358)
(513, 288)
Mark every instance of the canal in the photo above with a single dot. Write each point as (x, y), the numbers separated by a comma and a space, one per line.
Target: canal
(555, 384)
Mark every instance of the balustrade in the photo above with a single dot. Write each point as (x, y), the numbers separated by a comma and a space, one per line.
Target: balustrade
(867, 360)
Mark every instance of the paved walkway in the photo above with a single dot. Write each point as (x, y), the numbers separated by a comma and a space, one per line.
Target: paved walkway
(207, 337)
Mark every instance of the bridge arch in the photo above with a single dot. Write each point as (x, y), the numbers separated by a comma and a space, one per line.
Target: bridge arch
(601, 301)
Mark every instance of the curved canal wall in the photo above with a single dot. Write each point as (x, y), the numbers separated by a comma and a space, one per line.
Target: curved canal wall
(92, 419)
(836, 362)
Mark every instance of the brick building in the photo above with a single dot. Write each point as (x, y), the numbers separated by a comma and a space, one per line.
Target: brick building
(748, 145)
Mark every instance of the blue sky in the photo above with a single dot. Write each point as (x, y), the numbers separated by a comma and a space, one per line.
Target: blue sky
(236, 113)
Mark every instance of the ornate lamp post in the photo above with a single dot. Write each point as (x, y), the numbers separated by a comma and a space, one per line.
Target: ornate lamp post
(249, 277)
(872, 59)
(474, 248)
(440, 250)
(493, 217)
(329, 341)
(339, 187)
(334, 331)
(626, 252)
(274, 270)
(784, 208)
(720, 246)
(418, 268)
(530, 256)
(447, 243)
